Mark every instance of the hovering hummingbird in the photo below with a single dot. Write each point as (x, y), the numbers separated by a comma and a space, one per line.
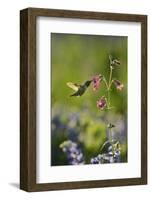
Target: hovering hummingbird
(79, 89)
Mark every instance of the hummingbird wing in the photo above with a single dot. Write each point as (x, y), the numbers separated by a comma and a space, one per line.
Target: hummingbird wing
(73, 86)
(80, 91)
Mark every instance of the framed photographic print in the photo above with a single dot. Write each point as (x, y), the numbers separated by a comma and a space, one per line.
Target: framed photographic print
(83, 93)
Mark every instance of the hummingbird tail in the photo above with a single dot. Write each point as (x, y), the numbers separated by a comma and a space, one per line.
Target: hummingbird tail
(72, 95)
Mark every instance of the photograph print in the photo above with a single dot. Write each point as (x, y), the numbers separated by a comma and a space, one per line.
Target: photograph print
(88, 99)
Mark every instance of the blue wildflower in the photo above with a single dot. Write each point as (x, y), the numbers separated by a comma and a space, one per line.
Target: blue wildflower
(73, 152)
(111, 154)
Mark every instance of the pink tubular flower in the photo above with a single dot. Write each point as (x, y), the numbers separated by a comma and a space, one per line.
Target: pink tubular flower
(96, 81)
(118, 84)
(101, 103)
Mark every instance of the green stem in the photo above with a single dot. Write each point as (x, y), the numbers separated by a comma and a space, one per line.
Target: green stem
(108, 98)
(109, 86)
(104, 79)
(110, 79)
(110, 135)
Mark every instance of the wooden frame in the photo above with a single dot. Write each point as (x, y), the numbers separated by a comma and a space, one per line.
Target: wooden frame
(28, 98)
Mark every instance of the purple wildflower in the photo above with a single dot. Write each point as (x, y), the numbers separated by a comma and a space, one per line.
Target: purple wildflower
(101, 104)
(119, 85)
(96, 81)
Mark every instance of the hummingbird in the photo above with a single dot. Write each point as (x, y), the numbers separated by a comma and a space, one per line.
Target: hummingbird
(79, 89)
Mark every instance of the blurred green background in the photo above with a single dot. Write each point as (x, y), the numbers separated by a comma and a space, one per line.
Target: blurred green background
(77, 58)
